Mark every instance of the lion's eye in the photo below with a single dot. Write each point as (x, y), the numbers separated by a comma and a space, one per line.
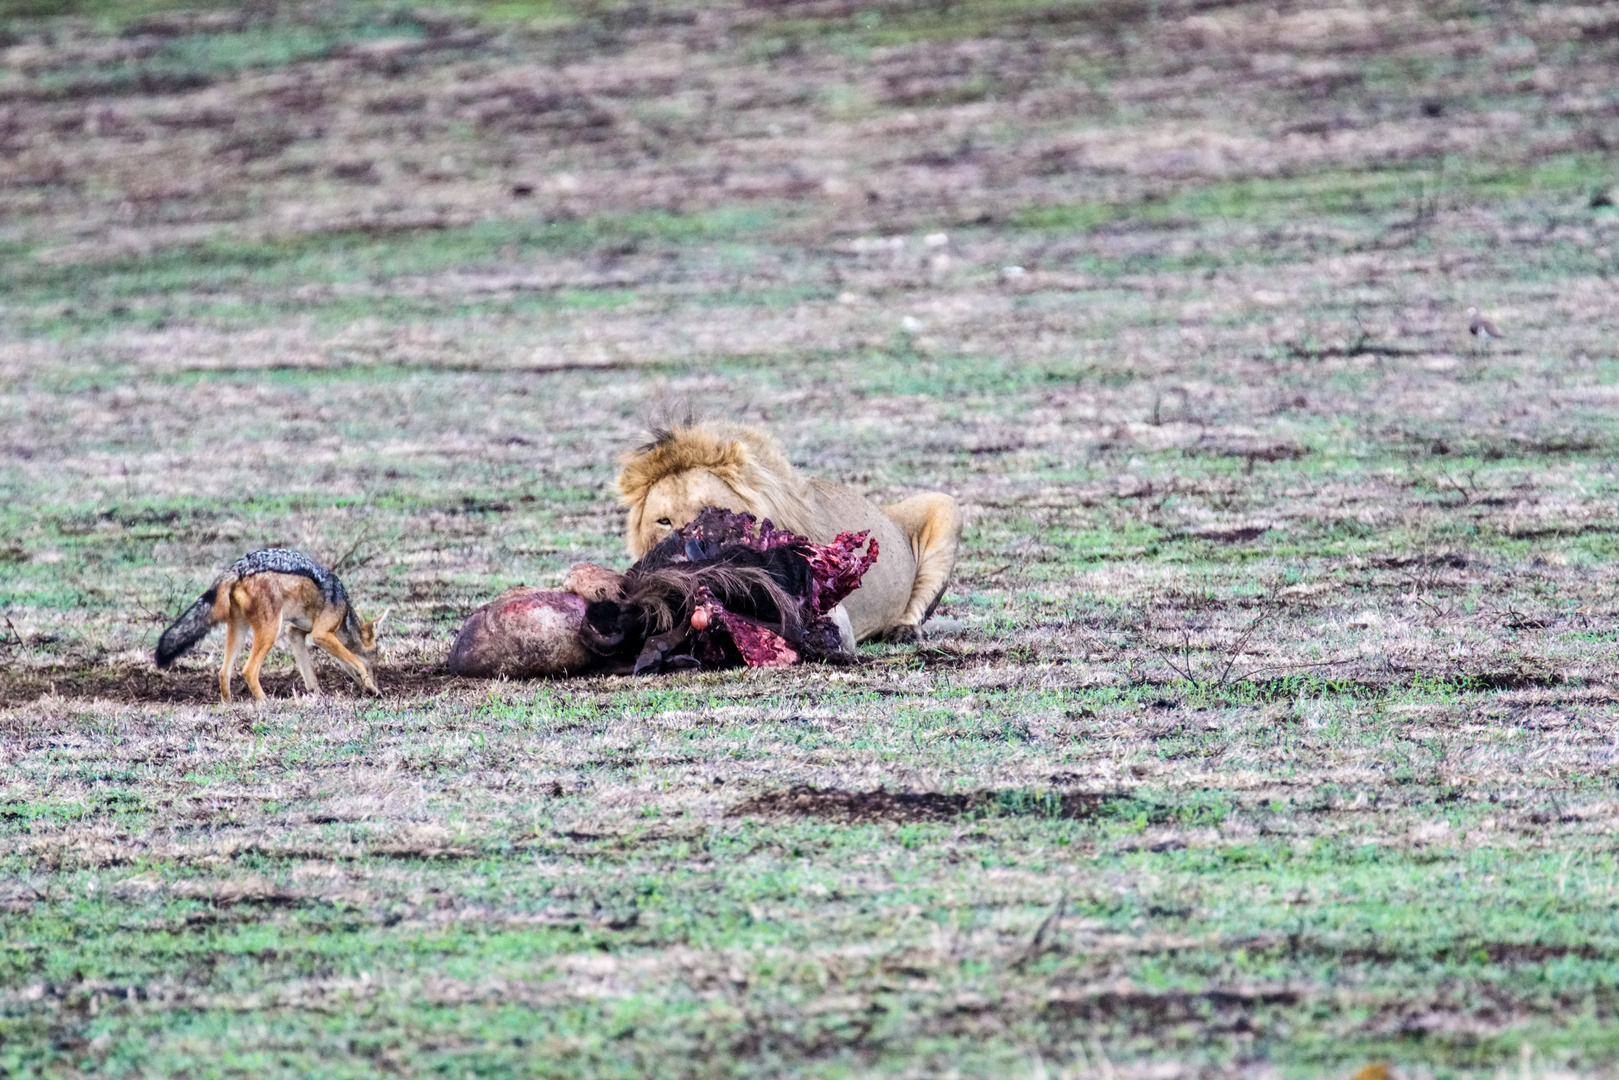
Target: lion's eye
(665, 522)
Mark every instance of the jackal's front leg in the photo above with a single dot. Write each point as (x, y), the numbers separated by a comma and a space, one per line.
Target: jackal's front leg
(330, 642)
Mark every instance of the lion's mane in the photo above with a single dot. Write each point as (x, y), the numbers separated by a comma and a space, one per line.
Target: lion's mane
(747, 461)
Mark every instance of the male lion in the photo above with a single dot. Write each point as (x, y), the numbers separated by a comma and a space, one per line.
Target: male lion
(666, 482)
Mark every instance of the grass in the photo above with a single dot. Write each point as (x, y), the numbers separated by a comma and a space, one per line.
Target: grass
(1349, 197)
(1271, 916)
(1265, 727)
(219, 281)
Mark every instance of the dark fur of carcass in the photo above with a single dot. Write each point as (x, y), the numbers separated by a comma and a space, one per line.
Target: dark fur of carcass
(766, 598)
(745, 572)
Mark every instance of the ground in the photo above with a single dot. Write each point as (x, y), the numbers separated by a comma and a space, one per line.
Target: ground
(1267, 729)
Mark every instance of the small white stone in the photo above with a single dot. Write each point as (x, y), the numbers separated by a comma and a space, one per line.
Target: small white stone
(936, 240)
(1012, 272)
(911, 324)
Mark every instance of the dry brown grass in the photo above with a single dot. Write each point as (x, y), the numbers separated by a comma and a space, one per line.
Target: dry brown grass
(1267, 727)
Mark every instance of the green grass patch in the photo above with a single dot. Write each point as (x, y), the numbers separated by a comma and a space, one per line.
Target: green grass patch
(1337, 195)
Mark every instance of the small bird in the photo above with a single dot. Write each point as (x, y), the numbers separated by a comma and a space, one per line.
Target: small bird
(1481, 328)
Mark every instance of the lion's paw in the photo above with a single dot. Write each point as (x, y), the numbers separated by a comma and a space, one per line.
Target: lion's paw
(906, 634)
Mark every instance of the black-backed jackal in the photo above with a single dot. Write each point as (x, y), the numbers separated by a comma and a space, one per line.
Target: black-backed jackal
(259, 592)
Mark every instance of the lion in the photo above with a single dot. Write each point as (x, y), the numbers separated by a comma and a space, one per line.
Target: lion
(668, 481)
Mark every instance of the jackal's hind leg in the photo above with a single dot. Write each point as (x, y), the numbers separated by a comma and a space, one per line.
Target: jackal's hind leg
(264, 635)
(233, 643)
(933, 523)
(298, 640)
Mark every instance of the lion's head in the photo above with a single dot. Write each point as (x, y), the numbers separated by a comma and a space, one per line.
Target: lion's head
(666, 482)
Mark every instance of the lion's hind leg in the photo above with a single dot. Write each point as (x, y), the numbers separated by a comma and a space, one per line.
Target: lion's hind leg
(932, 521)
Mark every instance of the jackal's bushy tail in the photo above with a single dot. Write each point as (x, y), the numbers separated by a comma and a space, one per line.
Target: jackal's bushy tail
(190, 628)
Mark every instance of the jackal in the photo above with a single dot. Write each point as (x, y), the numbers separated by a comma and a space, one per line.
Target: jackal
(263, 589)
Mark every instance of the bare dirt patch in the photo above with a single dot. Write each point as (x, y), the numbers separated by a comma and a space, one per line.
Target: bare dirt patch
(903, 806)
(146, 685)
